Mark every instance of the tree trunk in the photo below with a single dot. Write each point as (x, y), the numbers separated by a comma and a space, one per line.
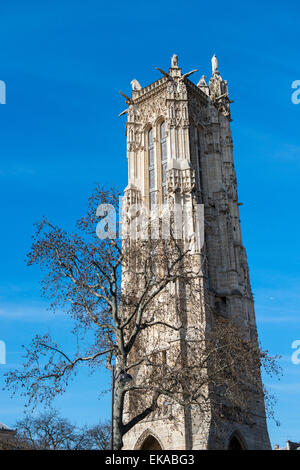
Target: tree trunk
(118, 416)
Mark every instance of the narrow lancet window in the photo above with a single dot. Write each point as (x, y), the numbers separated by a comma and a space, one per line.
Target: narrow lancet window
(199, 159)
(151, 168)
(163, 148)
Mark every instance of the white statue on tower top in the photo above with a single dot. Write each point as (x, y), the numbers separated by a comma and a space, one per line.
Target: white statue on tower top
(135, 85)
(214, 64)
(174, 61)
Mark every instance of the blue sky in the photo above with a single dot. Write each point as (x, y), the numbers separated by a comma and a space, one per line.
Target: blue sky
(64, 63)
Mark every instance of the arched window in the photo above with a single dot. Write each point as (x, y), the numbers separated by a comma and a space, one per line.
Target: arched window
(163, 152)
(151, 168)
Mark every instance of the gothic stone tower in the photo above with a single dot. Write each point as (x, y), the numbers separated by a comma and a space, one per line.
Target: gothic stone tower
(179, 146)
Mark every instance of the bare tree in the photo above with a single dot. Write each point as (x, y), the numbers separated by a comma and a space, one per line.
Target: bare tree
(132, 323)
(50, 431)
(97, 437)
(46, 431)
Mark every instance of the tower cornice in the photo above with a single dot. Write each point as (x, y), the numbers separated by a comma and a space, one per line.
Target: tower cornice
(138, 96)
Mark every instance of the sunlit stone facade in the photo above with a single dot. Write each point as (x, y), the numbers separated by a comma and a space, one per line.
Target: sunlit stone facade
(179, 148)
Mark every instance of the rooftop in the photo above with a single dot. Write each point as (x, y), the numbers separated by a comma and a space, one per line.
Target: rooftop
(3, 427)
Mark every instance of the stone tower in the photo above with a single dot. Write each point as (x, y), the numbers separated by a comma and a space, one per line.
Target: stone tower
(179, 146)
